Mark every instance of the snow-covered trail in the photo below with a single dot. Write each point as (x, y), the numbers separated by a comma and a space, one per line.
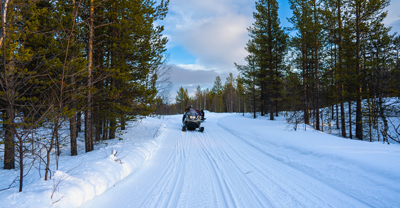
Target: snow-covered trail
(217, 169)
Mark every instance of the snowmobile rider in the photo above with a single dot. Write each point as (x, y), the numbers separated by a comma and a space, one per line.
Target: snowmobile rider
(186, 110)
(202, 114)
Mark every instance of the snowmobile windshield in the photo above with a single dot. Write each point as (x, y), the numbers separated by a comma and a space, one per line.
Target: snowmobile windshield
(192, 112)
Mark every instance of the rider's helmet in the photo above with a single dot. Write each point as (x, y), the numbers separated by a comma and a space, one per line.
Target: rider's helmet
(190, 106)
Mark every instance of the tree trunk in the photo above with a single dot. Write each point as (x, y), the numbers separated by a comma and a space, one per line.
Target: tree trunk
(4, 21)
(48, 151)
(254, 102)
(239, 105)
(305, 103)
(276, 105)
(88, 114)
(9, 149)
(316, 69)
(72, 129)
(262, 98)
(385, 122)
(350, 123)
(322, 121)
(79, 122)
(99, 127)
(9, 146)
(359, 125)
(271, 107)
(88, 129)
(21, 163)
(370, 119)
(342, 113)
(105, 129)
(337, 113)
(123, 122)
(270, 65)
(112, 128)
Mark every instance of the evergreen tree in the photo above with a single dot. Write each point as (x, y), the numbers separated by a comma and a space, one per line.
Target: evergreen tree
(365, 12)
(60, 58)
(302, 21)
(229, 93)
(240, 94)
(217, 91)
(182, 99)
(250, 79)
(269, 42)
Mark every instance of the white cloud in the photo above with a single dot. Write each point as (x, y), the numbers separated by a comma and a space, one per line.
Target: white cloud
(214, 31)
(218, 43)
(393, 12)
(190, 79)
(193, 67)
(393, 17)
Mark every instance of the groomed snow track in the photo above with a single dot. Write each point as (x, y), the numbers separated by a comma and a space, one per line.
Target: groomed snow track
(216, 168)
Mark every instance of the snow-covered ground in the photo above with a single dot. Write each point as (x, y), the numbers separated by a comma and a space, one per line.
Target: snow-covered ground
(236, 162)
(371, 128)
(82, 177)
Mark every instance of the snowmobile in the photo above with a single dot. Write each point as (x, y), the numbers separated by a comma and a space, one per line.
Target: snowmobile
(201, 115)
(192, 121)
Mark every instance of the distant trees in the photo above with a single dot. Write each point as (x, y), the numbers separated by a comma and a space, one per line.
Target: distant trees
(221, 98)
(229, 93)
(216, 94)
(182, 99)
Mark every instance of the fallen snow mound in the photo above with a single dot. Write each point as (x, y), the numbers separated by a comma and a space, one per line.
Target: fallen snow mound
(81, 178)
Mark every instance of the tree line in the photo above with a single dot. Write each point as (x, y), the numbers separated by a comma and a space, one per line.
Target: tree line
(337, 67)
(221, 98)
(75, 65)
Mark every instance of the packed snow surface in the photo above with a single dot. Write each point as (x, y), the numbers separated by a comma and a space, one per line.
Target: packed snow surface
(244, 162)
(236, 162)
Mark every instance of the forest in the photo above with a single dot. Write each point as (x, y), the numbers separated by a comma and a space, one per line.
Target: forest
(337, 68)
(75, 66)
(83, 69)
(311, 114)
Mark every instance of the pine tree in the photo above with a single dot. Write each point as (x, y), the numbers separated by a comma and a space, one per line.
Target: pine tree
(217, 91)
(250, 79)
(365, 11)
(229, 93)
(269, 44)
(302, 21)
(240, 94)
(182, 99)
(198, 97)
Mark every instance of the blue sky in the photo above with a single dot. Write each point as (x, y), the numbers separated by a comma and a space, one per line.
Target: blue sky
(206, 37)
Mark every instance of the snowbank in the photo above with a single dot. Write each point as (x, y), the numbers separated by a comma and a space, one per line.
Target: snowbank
(81, 178)
(372, 156)
(363, 169)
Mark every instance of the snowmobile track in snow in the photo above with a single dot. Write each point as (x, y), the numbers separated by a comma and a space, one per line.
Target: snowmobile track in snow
(217, 168)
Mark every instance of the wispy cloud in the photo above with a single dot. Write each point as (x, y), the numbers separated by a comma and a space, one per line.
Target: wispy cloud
(213, 31)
